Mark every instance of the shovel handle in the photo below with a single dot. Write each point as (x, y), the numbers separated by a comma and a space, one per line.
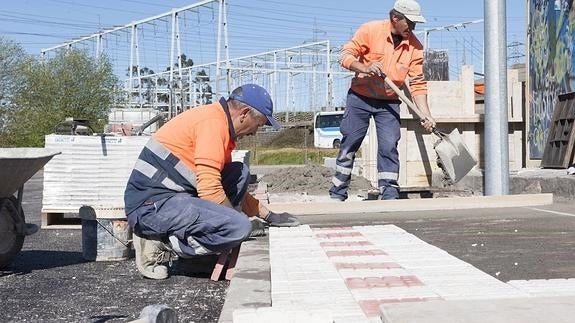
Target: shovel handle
(404, 98)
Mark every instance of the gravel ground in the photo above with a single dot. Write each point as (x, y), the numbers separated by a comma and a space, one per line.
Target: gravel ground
(49, 281)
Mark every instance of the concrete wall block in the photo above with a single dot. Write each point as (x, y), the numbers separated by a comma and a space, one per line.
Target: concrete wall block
(445, 98)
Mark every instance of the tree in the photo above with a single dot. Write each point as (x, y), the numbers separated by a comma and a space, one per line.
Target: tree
(71, 84)
(203, 90)
(147, 84)
(12, 59)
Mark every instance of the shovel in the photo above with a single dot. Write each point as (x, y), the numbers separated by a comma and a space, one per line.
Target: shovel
(453, 156)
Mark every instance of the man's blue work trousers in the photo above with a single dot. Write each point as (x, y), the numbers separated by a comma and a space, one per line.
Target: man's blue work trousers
(354, 125)
(195, 226)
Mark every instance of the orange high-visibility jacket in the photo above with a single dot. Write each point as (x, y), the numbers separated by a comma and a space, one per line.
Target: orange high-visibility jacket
(373, 42)
(200, 138)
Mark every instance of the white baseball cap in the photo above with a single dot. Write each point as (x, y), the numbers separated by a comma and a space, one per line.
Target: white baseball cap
(410, 9)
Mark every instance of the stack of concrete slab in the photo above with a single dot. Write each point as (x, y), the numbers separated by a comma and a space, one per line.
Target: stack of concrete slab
(92, 170)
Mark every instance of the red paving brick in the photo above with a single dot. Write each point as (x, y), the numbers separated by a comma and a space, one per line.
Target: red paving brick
(354, 253)
(383, 282)
(345, 244)
(361, 265)
(333, 229)
(338, 235)
(371, 307)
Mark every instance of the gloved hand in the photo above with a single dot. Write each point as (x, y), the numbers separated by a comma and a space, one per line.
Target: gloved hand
(281, 220)
(375, 69)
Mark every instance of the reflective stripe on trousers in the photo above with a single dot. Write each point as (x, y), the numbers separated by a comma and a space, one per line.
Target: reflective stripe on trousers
(354, 126)
(213, 226)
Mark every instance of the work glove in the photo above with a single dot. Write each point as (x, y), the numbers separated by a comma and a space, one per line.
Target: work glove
(376, 69)
(281, 220)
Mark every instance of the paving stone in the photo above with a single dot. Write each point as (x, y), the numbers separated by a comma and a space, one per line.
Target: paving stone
(352, 271)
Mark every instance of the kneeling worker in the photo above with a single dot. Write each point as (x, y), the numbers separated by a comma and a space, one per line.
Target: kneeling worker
(184, 192)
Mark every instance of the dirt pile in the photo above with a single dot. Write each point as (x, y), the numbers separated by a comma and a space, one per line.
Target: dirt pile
(311, 179)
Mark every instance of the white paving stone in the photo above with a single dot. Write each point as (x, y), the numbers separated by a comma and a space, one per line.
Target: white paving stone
(268, 314)
(305, 279)
(361, 259)
(393, 293)
(546, 287)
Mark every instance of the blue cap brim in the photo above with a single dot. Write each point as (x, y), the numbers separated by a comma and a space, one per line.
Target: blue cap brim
(273, 122)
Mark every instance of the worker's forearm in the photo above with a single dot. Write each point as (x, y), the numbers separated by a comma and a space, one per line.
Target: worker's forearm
(421, 102)
(358, 67)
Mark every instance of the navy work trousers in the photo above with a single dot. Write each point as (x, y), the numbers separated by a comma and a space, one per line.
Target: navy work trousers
(195, 226)
(359, 110)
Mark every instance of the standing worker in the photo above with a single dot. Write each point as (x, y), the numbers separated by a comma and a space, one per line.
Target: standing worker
(185, 194)
(379, 49)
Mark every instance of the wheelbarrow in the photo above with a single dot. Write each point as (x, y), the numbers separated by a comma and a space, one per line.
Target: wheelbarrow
(17, 166)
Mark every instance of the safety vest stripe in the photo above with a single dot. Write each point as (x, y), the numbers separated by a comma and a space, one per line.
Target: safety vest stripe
(158, 149)
(172, 185)
(186, 172)
(145, 168)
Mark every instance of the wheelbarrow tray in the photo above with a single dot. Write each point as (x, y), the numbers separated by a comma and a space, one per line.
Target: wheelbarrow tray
(18, 165)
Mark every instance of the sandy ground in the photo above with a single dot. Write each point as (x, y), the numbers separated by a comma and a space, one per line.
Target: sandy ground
(310, 180)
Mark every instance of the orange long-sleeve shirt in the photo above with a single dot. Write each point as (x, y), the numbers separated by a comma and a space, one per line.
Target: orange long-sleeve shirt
(373, 42)
(200, 138)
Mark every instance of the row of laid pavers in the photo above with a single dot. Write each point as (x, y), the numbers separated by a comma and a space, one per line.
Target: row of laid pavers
(349, 272)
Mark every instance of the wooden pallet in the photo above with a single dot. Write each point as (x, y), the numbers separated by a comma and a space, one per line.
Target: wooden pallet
(559, 149)
(61, 219)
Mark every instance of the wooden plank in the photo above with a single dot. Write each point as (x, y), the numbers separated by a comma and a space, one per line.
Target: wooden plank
(232, 262)
(219, 267)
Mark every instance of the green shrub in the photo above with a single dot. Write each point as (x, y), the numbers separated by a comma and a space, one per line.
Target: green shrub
(291, 156)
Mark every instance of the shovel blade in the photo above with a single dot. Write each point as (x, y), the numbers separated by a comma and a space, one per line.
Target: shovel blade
(454, 156)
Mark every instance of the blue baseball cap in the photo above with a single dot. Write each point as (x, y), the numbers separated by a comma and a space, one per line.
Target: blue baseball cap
(258, 98)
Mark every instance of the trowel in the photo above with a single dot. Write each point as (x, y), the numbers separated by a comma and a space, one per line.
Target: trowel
(453, 156)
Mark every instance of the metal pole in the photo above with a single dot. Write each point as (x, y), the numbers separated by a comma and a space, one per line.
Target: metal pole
(138, 74)
(496, 138)
(219, 46)
(98, 46)
(171, 78)
(226, 46)
(130, 72)
(329, 83)
(275, 80)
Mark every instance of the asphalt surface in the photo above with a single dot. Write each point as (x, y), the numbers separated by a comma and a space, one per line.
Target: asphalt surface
(50, 281)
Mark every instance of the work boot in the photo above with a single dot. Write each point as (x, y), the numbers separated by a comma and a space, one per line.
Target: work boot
(150, 254)
(390, 191)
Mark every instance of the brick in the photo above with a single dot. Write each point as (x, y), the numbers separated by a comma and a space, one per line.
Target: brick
(354, 253)
(345, 244)
(337, 235)
(361, 265)
(383, 282)
(333, 229)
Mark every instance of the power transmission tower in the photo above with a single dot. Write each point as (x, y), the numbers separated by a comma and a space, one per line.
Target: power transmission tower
(514, 52)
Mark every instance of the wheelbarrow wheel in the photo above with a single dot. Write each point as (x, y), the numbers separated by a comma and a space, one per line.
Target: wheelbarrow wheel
(11, 240)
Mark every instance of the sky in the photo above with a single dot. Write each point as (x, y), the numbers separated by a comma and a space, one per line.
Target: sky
(253, 25)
